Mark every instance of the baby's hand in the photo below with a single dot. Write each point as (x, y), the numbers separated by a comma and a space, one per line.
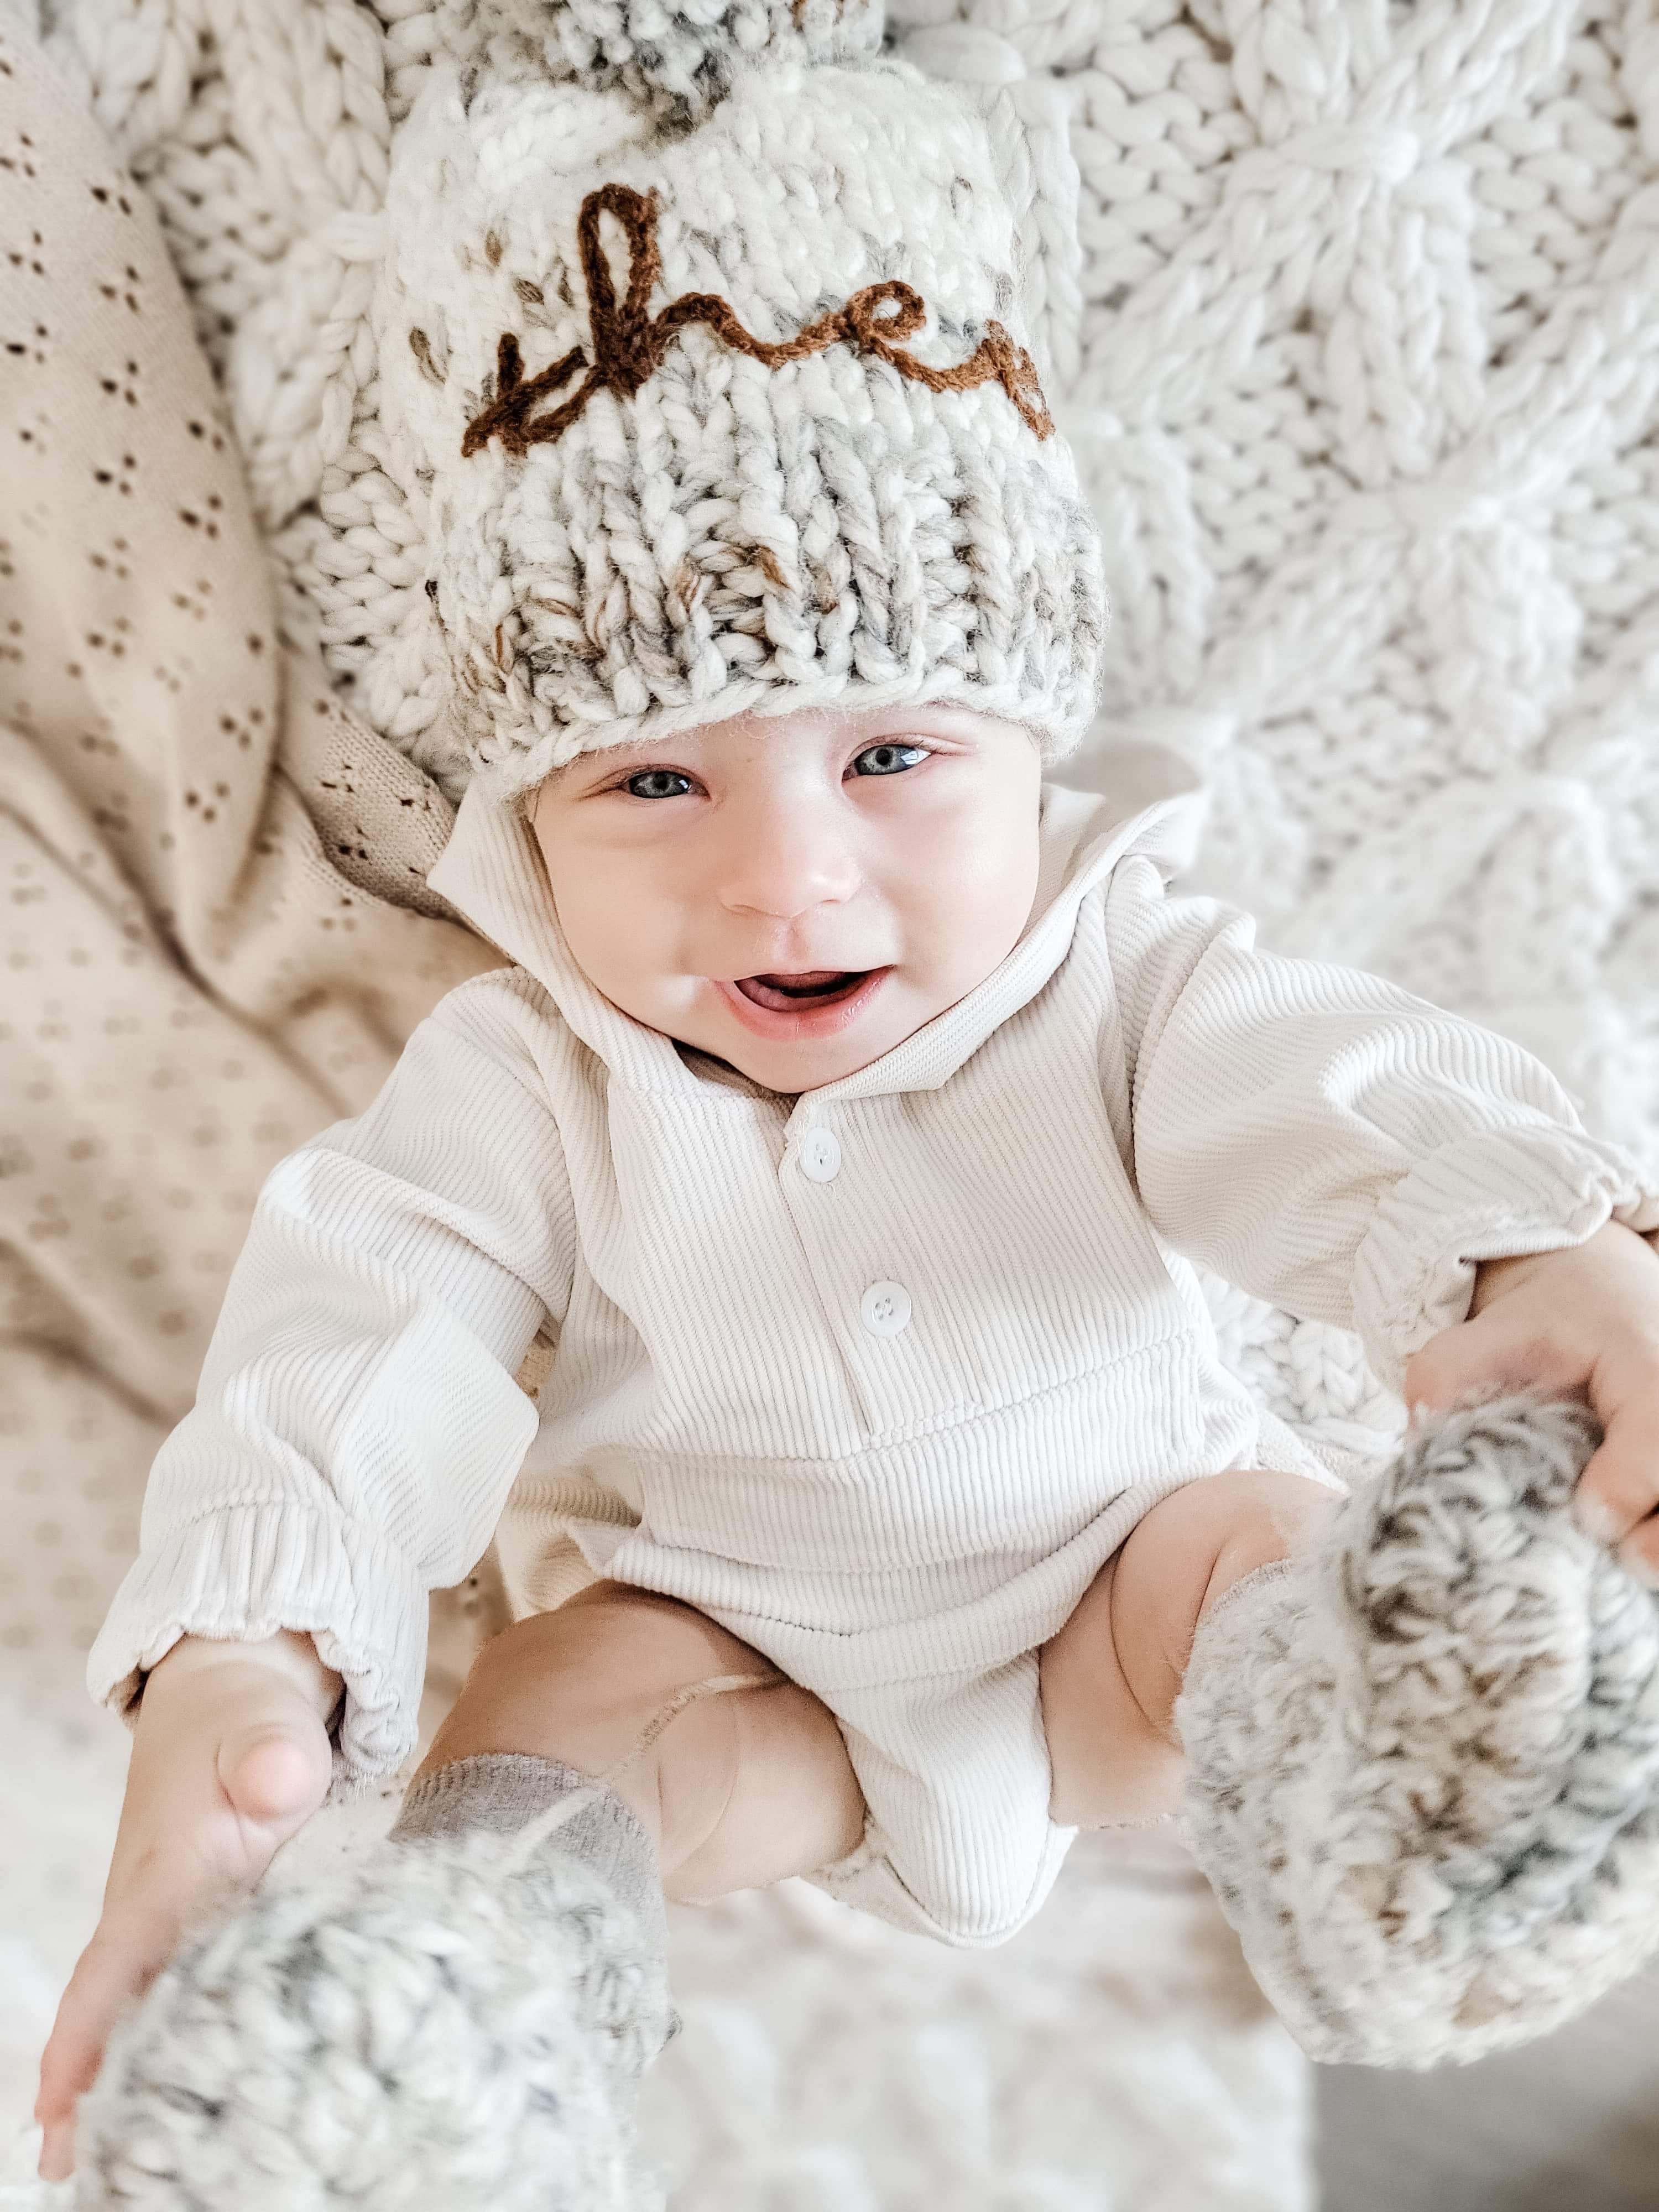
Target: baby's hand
(1580, 1322)
(230, 1757)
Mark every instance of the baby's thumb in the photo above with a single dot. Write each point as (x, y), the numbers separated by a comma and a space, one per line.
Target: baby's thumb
(273, 1774)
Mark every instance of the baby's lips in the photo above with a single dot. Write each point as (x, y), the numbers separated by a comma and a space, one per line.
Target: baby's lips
(816, 986)
(801, 1015)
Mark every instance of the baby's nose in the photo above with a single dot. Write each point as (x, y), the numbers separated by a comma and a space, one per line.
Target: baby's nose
(783, 869)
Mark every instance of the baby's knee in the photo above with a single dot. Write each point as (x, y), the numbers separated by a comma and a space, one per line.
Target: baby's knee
(1238, 1522)
(619, 1684)
(1111, 1676)
(1192, 1549)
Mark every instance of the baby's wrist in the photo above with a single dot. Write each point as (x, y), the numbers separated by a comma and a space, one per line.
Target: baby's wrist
(1493, 1277)
(290, 1653)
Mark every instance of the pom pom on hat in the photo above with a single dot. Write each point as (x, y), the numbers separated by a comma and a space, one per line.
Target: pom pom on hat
(675, 57)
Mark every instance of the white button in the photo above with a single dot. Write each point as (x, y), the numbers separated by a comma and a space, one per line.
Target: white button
(884, 1308)
(820, 1156)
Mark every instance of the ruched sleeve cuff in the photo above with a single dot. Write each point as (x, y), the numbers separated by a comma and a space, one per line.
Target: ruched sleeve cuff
(246, 1572)
(1487, 1196)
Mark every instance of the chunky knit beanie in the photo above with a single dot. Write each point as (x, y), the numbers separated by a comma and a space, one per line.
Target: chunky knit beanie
(701, 333)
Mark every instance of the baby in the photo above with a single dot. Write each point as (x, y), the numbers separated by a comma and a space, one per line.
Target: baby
(794, 1238)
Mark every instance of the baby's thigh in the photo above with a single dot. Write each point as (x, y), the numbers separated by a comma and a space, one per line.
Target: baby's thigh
(1111, 1676)
(739, 1776)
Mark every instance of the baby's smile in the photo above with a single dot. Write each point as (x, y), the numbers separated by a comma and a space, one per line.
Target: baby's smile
(818, 1002)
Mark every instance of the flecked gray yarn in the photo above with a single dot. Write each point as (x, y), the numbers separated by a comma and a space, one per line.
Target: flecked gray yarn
(505, 1791)
(677, 57)
(436, 2027)
(1423, 1762)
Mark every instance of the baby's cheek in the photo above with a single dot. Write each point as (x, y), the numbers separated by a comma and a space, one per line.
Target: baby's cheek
(966, 928)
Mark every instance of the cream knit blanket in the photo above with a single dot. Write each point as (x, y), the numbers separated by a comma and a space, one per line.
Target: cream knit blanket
(1353, 321)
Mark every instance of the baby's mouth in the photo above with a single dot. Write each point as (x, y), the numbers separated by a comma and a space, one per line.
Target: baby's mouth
(816, 986)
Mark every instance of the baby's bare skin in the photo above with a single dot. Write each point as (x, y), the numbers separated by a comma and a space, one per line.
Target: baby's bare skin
(741, 1789)
(232, 1752)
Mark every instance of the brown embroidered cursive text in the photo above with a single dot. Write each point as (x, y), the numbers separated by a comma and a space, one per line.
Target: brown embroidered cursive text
(628, 342)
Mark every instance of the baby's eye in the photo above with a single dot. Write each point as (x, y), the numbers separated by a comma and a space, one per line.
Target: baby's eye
(658, 783)
(888, 760)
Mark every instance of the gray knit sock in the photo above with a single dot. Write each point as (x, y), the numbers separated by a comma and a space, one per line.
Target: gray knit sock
(501, 1792)
(504, 1791)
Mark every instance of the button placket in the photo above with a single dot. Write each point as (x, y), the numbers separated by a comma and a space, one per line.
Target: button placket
(848, 1250)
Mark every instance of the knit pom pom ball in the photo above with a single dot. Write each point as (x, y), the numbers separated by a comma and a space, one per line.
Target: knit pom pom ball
(1423, 1761)
(675, 57)
(423, 2028)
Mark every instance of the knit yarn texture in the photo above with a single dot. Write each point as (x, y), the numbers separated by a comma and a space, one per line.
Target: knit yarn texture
(678, 62)
(425, 2025)
(1423, 1762)
(674, 531)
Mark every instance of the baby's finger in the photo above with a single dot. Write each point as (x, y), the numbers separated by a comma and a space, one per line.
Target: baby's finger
(1618, 1490)
(69, 2066)
(57, 2160)
(274, 1778)
(106, 1976)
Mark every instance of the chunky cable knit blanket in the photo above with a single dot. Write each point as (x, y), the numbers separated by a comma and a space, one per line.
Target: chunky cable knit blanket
(1349, 312)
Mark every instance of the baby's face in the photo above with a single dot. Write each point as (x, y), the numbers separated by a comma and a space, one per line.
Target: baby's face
(796, 893)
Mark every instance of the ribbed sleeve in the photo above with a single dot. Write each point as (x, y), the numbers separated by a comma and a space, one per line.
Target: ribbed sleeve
(244, 1572)
(1483, 1197)
(1328, 1141)
(358, 1425)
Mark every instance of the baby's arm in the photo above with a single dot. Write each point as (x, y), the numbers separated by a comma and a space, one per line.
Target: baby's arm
(1355, 1155)
(230, 1758)
(358, 1425)
(356, 1431)
(1327, 1141)
(1582, 1322)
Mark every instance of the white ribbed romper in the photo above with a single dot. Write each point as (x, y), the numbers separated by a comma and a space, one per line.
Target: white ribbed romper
(878, 1377)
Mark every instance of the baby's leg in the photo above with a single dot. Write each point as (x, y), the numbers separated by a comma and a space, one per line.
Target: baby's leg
(1111, 1676)
(740, 1788)
(466, 2011)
